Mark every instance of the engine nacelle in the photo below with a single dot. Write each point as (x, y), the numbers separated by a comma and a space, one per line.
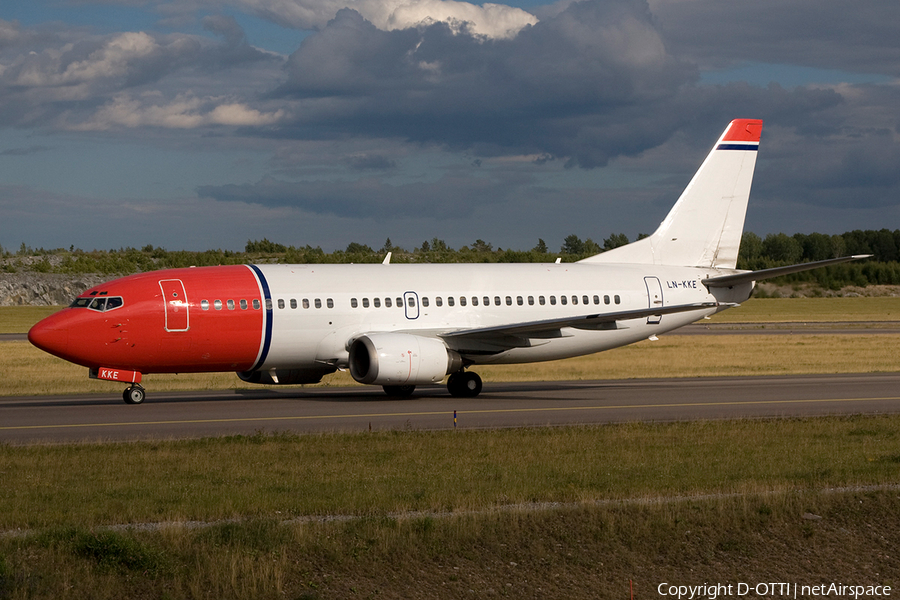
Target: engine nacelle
(284, 376)
(401, 359)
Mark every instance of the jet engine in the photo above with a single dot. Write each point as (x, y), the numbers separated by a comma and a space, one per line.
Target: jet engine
(401, 359)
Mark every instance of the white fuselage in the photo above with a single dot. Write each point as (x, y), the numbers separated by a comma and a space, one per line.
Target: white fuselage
(318, 310)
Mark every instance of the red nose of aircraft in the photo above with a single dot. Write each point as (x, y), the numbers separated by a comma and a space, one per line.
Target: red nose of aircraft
(50, 335)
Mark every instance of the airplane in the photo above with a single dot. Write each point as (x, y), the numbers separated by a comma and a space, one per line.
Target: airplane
(406, 325)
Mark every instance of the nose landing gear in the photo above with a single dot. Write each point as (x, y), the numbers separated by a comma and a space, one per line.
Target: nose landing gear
(134, 395)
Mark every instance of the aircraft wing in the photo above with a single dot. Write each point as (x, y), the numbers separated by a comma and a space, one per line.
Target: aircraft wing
(518, 335)
(749, 276)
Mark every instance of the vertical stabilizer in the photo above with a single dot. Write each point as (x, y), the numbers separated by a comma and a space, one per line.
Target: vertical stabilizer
(704, 227)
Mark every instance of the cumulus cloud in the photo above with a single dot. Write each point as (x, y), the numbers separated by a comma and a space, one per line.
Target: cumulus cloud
(382, 83)
(550, 89)
(56, 79)
(488, 20)
(184, 112)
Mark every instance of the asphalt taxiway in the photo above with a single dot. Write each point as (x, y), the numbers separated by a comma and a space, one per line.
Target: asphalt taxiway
(172, 415)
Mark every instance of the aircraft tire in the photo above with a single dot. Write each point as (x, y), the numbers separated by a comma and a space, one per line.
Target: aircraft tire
(464, 384)
(399, 391)
(134, 395)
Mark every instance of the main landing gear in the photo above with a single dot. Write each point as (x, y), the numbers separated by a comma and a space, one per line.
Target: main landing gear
(134, 395)
(464, 384)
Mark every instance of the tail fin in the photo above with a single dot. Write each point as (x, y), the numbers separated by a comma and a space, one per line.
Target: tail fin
(704, 227)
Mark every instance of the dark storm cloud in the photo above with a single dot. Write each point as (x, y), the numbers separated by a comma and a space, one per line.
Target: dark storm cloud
(861, 36)
(370, 162)
(24, 151)
(587, 84)
(451, 196)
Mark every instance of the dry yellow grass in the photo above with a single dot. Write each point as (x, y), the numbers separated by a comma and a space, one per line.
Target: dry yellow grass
(19, 319)
(25, 370)
(815, 310)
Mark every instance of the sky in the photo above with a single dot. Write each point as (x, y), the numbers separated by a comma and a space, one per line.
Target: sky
(201, 124)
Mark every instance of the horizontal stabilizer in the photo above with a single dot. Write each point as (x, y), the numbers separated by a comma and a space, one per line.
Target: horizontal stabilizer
(749, 276)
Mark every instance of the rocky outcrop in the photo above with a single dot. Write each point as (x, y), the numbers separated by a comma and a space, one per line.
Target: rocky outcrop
(44, 289)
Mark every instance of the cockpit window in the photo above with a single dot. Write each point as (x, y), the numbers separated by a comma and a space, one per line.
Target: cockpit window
(100, 304)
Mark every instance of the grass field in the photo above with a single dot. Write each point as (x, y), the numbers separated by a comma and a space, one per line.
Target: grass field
(455, 514)
(25, 370)
(19, 319)
(812, 310)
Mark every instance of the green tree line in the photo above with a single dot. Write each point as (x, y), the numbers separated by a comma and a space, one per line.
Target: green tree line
(755, 253)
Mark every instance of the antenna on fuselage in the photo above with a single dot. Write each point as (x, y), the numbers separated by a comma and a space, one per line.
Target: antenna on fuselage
(387, 259)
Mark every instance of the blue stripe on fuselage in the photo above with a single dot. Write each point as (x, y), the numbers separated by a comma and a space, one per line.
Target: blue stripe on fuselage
(268, 306)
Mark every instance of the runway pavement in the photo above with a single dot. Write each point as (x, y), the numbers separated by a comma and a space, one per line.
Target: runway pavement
(197, 414)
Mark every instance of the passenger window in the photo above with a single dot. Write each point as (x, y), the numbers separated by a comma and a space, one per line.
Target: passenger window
(230, 304)
(280, 303)
(329, 303)
(387, 302)
(217, 305)
(596, 299)
(424, 301)
(318, 303)
(617, 299)
(541, 300)
(574, 299)
(497, 300)
(353, 303)
(411, 302)
(519, 300)
(605, 299)
(450, 301)
(268, 304)
(531, 301)
(552, 300)
(293, 303)
(204, 305)
(399, 302)
(256, 303)
(563, 300)
(306, 303)
(585, 300)
(376, 302)
(462, 300)
(487, 301)
(508, 301)
(365, 303)
(244, 305)
(474, 300)
(438, 301)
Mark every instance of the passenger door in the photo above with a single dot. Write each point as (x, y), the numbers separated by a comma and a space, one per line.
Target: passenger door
(176, 305)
